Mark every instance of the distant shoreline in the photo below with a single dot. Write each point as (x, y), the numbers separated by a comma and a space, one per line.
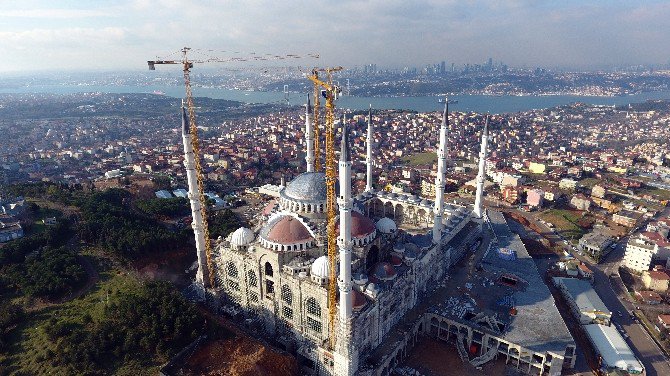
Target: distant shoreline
(466, 102)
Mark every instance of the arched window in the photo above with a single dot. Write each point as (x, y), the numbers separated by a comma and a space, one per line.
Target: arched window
(287, 300)
(313, 309)
(252, 279)
(231, 270)
(268, 269)
(286, 295)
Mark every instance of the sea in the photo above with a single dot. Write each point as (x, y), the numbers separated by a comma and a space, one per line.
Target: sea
(477, 103)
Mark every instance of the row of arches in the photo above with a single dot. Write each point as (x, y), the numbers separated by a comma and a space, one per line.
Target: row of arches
(301, 207)
(398, 211)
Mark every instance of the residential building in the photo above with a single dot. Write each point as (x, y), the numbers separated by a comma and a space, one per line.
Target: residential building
(649, 297)
(664, 320)
(598, 191)
(552, 194)
(627, 218)
(580, 202)
(639, 254)
(535, 198)
(596, 244)
(10, 231)
(537, 167)
(656, 280)
(567, 184)
(585, 272)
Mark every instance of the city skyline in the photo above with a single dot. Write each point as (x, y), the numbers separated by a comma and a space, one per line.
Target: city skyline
(121, 35)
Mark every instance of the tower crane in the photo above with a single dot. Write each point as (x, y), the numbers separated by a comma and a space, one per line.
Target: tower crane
(187, 64)
(331, 92)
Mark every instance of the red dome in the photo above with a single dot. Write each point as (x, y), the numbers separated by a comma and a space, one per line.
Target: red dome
(358, 300)
(288, 230)
(361, 226)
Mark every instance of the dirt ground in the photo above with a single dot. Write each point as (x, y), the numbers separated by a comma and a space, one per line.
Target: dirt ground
(239, 356)
(435, 358)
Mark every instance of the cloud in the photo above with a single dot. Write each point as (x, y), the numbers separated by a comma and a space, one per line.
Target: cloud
(54, 13)
(387, 32)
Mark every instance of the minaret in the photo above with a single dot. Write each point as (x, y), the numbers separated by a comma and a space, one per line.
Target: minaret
(478, 211)
(368, 158)
(309, 136)
(194, 198)
(441, 171)
(345, 356)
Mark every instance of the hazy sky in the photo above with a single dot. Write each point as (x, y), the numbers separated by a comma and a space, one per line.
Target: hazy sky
(119, 35)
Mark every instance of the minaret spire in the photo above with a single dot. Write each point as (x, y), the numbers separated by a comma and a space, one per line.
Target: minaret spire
(441, 171)
(478, 210)
(368, 158)
(309, 136)
(194, 198)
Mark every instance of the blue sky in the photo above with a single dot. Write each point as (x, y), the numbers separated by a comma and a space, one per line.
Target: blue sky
(121, 35)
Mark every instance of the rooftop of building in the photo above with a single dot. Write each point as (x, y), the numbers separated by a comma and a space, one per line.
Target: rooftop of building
(507, 297)
(612, 347)
(583, 294)
(596, 239)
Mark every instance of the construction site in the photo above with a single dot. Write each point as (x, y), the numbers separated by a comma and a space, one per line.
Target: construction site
(349, 283)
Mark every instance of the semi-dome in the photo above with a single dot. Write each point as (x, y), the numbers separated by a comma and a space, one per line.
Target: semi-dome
(361, 226)
(384, 271)
(287, 230)
(241, 237)
(321, 267)
(386, 225)
(308, 186)
(358, 300)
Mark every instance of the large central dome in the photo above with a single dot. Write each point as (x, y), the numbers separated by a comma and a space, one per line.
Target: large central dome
(308, 187)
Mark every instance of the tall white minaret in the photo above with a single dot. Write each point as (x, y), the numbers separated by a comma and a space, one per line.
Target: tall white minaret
(441, 171)
(309, 136)
(345, 357)
(194, 198)
(478, 211)
(368, 158)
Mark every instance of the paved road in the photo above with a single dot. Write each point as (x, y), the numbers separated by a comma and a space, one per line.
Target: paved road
(614, 295)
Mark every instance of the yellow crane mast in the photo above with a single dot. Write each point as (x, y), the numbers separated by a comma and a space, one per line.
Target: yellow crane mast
(317, 135)
(331, 92)
(186, 67)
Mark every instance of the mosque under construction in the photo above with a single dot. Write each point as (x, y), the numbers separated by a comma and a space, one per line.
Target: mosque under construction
(395, 249)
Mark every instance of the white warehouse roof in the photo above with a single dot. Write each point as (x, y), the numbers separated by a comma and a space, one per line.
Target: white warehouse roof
(613, 348)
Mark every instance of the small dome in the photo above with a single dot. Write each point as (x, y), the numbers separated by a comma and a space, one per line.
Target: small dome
(399, 248)
(241, 237)
(384, 271)
(425, 202)
(360, 279)
(371, 289)
(361, 226)
(386, 225)
(288, 230)
(321, 267)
